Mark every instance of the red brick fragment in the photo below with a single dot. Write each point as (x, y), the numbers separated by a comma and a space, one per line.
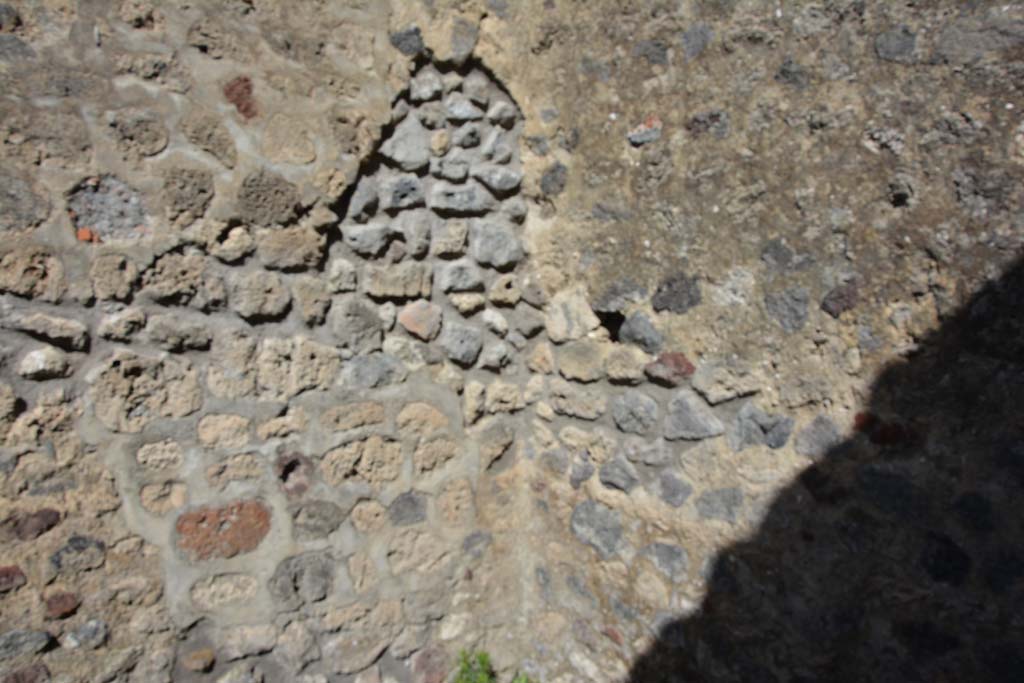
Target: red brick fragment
(62, 605)
(671, 369)
(11, 577)
(222, 532)
(238, 92)
(30, 526)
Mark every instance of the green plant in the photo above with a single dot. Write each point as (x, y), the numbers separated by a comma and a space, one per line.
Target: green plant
(476, 668)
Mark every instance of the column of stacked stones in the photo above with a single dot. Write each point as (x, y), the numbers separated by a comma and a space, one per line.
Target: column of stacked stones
(304, 413)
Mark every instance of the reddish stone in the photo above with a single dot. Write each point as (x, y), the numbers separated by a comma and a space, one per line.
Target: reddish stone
(421, 319)
(35, 673)
(30, 526)
(62, 605)
(222, 532)
(863, 422)
(670, 369)
(11, 577)
(613, 635)
(238, 92)
(428, 666)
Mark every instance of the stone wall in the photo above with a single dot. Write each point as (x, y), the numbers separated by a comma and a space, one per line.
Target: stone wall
(336, 338)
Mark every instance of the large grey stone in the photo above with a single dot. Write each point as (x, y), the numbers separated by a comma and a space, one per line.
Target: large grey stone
(401, 192)
(673, 490)
(462, 343)
(690, 418)
(408, 508)
(22, 642)
(788, 307)
(493, 244)
(818, 438)
(619, 474)
(356, 327)
(634, 412)
(671, 560)
(498, 179)
(425, 85)
(302, 579)
(409, 145)
(720, 504)
(754, 427)
(461, 276)
(468, 199)
(598, 526)
(638, 329)
(374, 370)
(458, 107)
(367, 240)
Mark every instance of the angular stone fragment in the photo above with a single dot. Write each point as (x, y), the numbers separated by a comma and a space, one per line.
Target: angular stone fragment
(19, 643)
(408, 280)
(132, 390)
(368, 240)
(788, 308)
(722, 380)
(421, 319)
(581, 361)
(375, 460)
(408, 508)
(467, 199)
(688, 417)
(173, 333)
(619, 474)
(634, 412)
(638, 329)
(374, 370)
(461, 276)
(495, 245)
(33, 273)
(266, 198)
(669, 369)
(259, 296)
(576, 402)
(425, 85)
(63, 332)
(45, 363)
(222, 532)
(113, 276)
(461, 343)
(500, 180)
(448, 238)
(817, 438)
(409, 145)
(220, 590)
(430, 455)
(356, 327)
(677, 294)
(80, 553)
(672, 489)
(720, 504)
(11, 578)
(401, 192)
(671, 560)
(245, 641)
(291, 248)
(458, 107)
(598, 526)
(183, 280)
(569, 317)
(302, 580)
(496, 356)
(754, 427)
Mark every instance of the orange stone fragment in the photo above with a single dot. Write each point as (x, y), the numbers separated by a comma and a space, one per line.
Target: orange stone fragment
(213, 532)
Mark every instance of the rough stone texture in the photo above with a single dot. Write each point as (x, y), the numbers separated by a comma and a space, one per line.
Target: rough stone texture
(239, 237)
(222, 532)
(688, 417)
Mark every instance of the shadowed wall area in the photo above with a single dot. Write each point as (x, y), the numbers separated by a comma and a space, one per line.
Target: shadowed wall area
(897, 556)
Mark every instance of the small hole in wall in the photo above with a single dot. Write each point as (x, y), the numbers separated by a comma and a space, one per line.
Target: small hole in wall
(290, 467)
(611, 321)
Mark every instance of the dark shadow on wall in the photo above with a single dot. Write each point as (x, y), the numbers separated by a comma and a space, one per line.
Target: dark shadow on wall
(898, 556)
